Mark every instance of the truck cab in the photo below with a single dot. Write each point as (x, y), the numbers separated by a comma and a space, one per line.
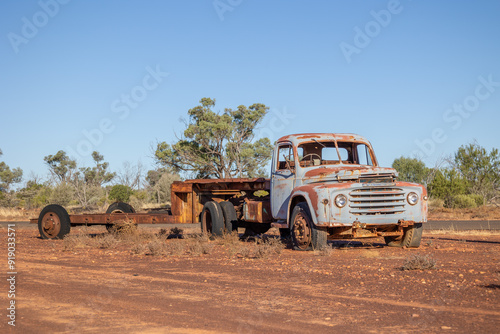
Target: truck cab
(330, 186)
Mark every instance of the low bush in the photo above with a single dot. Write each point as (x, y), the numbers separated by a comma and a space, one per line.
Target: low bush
(419, 262)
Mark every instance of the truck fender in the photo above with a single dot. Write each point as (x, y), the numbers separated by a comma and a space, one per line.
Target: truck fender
(307, 197)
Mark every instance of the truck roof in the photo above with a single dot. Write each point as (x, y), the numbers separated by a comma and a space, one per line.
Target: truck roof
(306, 137)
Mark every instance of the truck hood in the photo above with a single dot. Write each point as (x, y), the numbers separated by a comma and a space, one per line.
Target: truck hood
(348, 172)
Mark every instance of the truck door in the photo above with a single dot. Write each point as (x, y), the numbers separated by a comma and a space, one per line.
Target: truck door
(282, 179)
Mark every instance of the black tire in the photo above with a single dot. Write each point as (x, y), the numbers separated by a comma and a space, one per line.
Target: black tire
(410, 239)
(53, 222)
(229, 214)
(212, 219)
(118, 207)
(305, 235)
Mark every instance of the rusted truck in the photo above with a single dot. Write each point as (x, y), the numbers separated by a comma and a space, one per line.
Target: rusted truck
(322, 186)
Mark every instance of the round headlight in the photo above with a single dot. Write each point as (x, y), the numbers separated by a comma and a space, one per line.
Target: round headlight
(412, 198)
(340, 201)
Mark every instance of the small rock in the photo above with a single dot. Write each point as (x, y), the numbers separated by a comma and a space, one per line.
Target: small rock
(445, 327)
(414, 315)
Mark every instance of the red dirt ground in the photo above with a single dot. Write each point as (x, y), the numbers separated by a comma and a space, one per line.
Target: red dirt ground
(357, 288)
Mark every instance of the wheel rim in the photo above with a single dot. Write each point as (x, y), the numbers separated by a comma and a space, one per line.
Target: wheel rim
(51, 225)
(301, 232)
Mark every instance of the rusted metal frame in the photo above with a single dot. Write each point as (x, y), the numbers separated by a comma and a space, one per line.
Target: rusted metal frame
(279, 225)
(257, 211)
(109, 218)
(363, 230)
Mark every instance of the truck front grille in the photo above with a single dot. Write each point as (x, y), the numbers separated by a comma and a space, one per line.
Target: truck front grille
(377, 201)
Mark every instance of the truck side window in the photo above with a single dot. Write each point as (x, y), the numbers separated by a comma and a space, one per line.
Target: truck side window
(286, 159)
(364, 157)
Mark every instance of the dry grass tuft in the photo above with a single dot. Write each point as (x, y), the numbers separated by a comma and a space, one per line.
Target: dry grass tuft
(419, 262)
(14, 214)
(156, 247)
(453, 231)
(324, 251)
(175, 247)
(270, 246)
(106, 241)
(74, 241)
(139, 249)
(369, 254)
(199, 244)
(124, 227)
(83, 240)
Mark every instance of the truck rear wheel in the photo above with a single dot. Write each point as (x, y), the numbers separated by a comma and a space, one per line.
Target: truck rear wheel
(410, 239)
(229, 214)
(212, 219)
(118, 207)
(53, 222)
(305, 235)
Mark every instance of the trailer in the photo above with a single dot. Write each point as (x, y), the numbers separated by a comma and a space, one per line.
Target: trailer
(322, 186)
(217, 204)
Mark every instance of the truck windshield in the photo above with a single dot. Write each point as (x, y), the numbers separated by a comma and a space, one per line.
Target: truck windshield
(325, 153)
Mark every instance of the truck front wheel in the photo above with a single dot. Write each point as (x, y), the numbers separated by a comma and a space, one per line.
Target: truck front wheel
(305, 235)
(410, 239)
(212, 219)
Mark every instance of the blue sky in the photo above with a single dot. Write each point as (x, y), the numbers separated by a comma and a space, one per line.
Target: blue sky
(414, 77)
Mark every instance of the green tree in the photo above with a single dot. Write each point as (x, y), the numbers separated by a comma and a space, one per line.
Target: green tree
(34, 195)
(87, 181)
(446, 184)
(8, 176)
(219, 145)
(120, 193)
(480, 169)
(60, 166)
(160, 181)
(97, 175)
(411, 170)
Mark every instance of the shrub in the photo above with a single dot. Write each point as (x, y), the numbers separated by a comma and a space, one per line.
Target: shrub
(139, 249)
(324, 251)
(120, 193)
(461, 202)
(124, 227)
(200, 244)
(62, 194)
(271, 246)
(419, 262)
(478, 199)
(107, 241)
(73, 241)
(156, 247)
(436, 203)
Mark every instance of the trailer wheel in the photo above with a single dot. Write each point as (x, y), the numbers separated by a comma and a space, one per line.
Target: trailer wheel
(118, 207)
(53, 222)
(230, 219)
(305, 235)
(410, 239)
(212, 219)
